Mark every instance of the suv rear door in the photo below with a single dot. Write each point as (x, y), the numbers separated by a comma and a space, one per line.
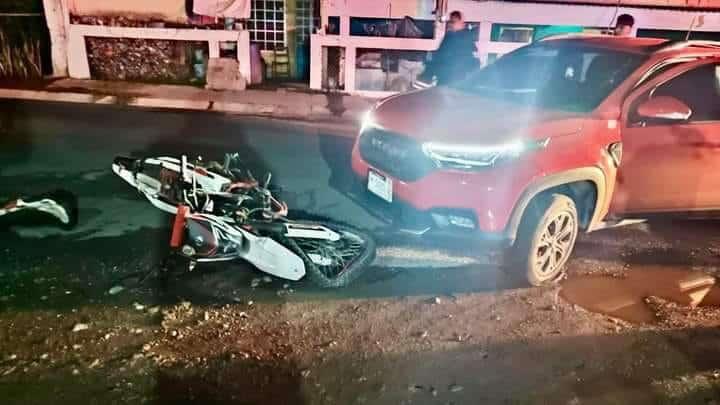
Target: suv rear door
(671, 165)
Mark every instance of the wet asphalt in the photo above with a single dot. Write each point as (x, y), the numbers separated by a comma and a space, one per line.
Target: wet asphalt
(46, 146)
(120, 237)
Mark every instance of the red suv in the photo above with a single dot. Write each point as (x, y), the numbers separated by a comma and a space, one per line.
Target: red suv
(565, 135)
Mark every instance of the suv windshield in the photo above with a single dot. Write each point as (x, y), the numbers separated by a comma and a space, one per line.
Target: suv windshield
(553, 76)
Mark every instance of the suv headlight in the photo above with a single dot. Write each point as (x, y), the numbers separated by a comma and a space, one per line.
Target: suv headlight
(457, 156)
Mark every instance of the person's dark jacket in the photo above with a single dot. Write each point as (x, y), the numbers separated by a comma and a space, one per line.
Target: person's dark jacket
(454, 58)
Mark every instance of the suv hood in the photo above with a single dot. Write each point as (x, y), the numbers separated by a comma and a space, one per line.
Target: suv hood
(443, 114)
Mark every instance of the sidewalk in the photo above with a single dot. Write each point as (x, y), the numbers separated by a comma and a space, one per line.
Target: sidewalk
(340, 111)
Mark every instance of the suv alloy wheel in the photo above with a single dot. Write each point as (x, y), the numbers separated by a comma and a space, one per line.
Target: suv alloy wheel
(546, 238)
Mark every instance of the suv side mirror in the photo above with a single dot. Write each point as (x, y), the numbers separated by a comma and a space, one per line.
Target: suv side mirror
(665, 108)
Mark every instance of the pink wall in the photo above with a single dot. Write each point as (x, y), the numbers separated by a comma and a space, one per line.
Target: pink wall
(688, 4)
(167, 10)
(379, 8)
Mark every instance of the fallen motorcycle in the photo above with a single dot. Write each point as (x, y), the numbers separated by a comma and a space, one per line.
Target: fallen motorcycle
(223, 213)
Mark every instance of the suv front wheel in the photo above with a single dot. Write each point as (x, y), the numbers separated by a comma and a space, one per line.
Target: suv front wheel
(546, 238)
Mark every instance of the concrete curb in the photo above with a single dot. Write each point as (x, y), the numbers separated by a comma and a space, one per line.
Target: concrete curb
(41, 95)
(309, 113)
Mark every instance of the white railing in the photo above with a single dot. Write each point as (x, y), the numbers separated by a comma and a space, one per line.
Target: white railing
(487, 13)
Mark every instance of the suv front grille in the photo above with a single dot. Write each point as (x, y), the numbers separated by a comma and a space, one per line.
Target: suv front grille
(397, 155)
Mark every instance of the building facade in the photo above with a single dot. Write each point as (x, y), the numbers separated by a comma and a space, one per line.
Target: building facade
(102, 38)
(370, 47)
(345, 57)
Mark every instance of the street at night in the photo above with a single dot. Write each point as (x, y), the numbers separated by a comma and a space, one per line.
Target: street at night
(429, 322)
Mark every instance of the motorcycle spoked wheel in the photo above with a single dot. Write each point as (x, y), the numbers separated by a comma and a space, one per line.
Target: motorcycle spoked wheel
(336, 264)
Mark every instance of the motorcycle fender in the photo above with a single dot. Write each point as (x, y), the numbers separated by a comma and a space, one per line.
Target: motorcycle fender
(146, 185)
(273, 258)
(310, 231)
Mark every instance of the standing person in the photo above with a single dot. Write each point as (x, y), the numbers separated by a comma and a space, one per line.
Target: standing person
(454, 59)
(624, 25)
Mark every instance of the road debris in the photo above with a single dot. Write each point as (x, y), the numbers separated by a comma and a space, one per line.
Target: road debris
(116, 290)
(455, 388)
(78, 327)
(8, 371)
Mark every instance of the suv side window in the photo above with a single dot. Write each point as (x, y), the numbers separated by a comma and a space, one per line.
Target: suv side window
(662, 68)
(699, 89)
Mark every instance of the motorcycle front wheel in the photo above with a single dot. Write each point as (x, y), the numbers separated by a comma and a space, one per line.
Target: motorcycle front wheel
(334, 264)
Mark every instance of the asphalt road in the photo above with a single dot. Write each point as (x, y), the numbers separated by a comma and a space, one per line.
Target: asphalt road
(490, 343)
(47, 146)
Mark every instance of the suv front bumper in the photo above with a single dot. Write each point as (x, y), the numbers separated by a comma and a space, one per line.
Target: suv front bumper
(442, 223)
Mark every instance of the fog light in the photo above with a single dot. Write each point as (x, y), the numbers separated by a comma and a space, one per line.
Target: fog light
(444, 221)
(440, 220)
(461, 222)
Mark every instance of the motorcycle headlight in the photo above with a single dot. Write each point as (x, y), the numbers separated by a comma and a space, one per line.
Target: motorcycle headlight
(457, 156)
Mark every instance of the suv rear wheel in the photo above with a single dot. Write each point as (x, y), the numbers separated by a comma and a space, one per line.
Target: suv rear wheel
(546, 238)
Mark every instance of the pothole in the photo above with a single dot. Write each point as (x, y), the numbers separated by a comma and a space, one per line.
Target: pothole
(624, 297)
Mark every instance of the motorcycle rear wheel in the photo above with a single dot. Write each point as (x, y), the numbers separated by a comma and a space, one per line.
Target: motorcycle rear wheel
(336, 264)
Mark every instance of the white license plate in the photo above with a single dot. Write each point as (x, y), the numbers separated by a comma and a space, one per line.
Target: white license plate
(380, 185)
